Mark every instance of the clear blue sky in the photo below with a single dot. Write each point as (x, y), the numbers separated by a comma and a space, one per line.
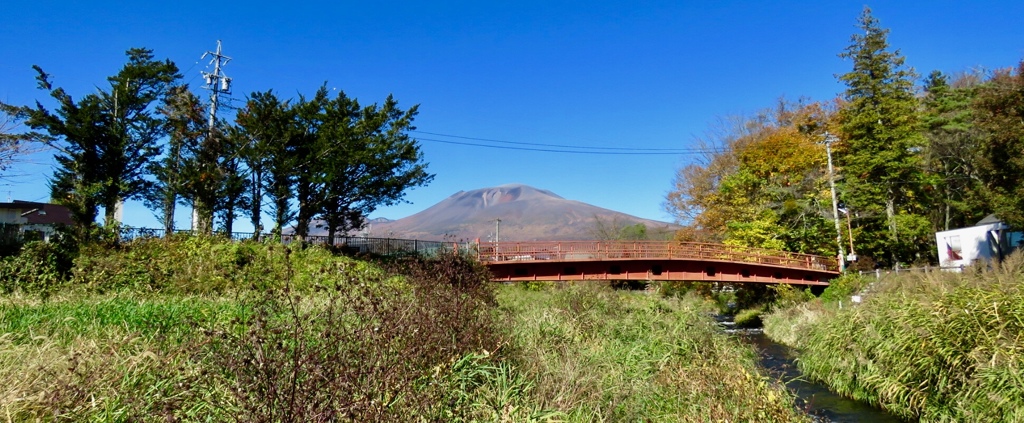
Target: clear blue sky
(637, 74)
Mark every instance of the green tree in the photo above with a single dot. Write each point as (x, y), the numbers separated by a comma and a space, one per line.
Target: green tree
(234, 187)
(308, 151)
(371, 162)
(107, 139)
(204, 176)
(878, 156)
(999, 111)
(267, 125)
(764, 186)
(76, 183)
(185, 126)
(953, 145)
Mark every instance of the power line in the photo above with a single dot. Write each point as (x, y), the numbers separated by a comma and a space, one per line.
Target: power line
(546, 150)
(678, 150)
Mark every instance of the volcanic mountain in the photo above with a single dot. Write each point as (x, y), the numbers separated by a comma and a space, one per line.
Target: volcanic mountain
(526, 214)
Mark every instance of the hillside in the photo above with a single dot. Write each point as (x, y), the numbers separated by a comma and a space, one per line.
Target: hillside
(526, 214)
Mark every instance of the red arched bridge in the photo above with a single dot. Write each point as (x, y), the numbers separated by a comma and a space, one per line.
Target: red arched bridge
(607, 260)
(651, 260)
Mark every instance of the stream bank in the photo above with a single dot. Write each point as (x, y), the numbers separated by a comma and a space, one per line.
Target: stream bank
(815, 399)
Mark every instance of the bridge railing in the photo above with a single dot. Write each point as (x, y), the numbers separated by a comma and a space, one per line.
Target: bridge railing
(353, 244)
(490, 252)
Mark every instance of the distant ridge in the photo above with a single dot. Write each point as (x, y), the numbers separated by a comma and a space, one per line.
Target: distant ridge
(526, 214)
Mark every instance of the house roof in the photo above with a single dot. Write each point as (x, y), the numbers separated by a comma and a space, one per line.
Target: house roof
(990, 219)
(40, 213)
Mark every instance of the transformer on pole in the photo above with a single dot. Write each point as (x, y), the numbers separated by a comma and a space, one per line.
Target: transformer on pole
(218, 84)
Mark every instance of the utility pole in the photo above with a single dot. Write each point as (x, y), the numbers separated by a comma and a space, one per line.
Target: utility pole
(497, 223)
(829, 139)
(849, 227)
(218, 84)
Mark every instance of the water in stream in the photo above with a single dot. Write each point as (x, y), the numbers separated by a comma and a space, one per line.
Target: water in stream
(819, 402)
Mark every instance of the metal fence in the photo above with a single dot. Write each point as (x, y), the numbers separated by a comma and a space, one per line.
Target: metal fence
(881, 273)
(349, 244)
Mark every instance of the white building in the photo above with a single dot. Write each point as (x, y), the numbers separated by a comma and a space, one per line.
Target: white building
(989, 239)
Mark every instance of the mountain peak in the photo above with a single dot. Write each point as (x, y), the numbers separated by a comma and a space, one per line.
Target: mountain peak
(502, 194)
(526, 214)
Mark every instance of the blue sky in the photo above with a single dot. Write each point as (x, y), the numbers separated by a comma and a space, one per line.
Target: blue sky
(641, 74)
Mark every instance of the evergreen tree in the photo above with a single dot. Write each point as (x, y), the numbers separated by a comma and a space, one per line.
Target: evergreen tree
(135, 127)
(308, 149)
(371, 162)
(350, 160)
(951, 155)
(879, 157)
(999, 110)
(76, 182)
(234, 185)
(204, 176)
(185, 125)
(267, 125)
(106, 140)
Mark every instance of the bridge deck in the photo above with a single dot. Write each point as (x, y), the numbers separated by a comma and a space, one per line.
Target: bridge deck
(651, 260)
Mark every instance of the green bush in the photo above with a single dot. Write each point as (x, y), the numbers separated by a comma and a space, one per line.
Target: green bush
(679, 289)
(787, 295)
(39, 268)
(841, 288)
(749, 317)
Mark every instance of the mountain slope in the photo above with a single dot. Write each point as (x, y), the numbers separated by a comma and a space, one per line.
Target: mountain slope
(526, 214)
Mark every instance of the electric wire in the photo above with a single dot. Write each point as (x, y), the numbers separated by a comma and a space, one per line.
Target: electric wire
(554, 145)
(547, 150)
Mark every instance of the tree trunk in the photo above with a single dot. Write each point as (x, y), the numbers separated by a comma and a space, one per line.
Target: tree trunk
(890, 213)
(256, 205)
(169, 205)
(204, 218)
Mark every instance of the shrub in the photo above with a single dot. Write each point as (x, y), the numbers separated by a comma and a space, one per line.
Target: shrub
(40, 268)
(841, 288)
(787, 295)
(679, 289)
(359, 349)
(749, 317)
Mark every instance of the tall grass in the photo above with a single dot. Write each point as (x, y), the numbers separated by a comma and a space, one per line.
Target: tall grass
(601, 355)
(208, 330)
(932, 346)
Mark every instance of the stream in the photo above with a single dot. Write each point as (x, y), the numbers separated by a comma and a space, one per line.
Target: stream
(814, 398)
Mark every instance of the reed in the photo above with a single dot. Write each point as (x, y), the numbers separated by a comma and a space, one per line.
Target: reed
(930, 346)
(601, 355)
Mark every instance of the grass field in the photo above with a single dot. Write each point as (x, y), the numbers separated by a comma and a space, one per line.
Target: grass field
(207, 330)
(595, 354)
